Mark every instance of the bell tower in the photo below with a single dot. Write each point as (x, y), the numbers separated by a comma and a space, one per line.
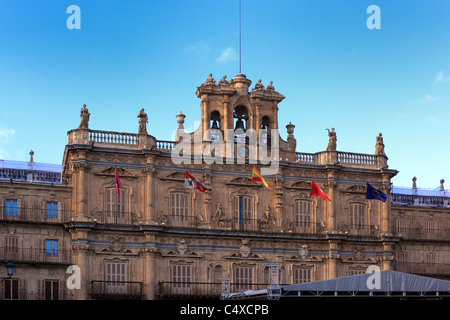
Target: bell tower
(231, 107)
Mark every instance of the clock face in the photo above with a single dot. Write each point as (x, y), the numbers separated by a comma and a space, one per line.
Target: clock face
(242, 152)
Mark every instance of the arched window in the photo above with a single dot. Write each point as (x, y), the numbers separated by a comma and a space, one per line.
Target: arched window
(115, 206)
(265, 129)
(215, 126)
(240, 117)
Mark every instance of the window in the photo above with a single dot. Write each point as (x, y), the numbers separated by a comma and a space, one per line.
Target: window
(181, 278)
(51, 248)
(115, 277)
(11, 291)
(401, 227)
(12, 247)
(243, 278)
(52, 210)
(302, 275)
(354, 272)
(179, 206)
(115, 206)
(401, 259)
(11, 208)
(357, 216)
(430, 259)
(51, 290)
(244, 212)
(302, 213)
(430, 227)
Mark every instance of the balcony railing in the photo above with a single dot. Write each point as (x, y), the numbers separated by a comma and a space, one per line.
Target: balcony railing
(116, 290)
(34, 214)
(35, 255)
(111, 137)
(423, 268)
(30, 175)
(357, 158)
(165, 146)
(305, 157)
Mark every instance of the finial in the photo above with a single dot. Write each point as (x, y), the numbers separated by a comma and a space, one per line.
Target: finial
(31, 156)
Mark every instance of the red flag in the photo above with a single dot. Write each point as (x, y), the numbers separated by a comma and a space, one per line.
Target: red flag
(116, 177)
(192, 182)
(317, 192)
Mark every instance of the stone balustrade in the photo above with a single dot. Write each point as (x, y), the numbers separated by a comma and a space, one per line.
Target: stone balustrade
(111, 137)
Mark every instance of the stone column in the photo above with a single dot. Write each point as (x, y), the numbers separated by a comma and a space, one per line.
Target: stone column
(386, 209)
(149, 210)
(150, 289)
(331, 212)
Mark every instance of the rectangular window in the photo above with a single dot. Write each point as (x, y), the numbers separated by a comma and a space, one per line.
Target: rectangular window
(12, 248)
(243, 278)
(430, 259)
(51, 248)
(181, 278)
(11, 287)
(430, 227)
(244, 212)
(302, 275)
(302, 214)
(401, 259)
(401, 227)
(52, 210)
(354, 272)
(179, 206)
(51, 290)
(357, 216)
(115, 277)
(11, 208)
(115, 206)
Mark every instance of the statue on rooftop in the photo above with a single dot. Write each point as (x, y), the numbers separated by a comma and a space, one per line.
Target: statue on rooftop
(332, 140)
(223, 80)
(270, 86)
(143, 119)
(210, 80)
(84, 114)
(379, 146)
(259, 85)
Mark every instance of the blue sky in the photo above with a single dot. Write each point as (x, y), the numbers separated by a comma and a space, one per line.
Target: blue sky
(332, 69)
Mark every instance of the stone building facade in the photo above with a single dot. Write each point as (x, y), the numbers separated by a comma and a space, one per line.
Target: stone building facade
(153, 238)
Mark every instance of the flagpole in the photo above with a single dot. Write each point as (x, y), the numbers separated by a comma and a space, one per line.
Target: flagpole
(240, 36)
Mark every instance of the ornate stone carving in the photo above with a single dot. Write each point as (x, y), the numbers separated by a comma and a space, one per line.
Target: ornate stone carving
(219, 218)
(210, 80)
(379, 146)
(267, 221)
(84, 114)
(332, 140)
(244, 249)
(223, 80)
(182, 246)
(143, 119)
(303, 251)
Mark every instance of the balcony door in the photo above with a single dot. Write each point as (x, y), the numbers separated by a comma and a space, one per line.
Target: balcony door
(115, 206)
(115, 277)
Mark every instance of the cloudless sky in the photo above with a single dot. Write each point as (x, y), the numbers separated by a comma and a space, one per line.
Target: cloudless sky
(332, 69)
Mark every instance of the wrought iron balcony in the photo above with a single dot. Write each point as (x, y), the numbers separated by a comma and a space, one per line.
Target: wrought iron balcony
(120, 290)
(34, 255)
(34, 214)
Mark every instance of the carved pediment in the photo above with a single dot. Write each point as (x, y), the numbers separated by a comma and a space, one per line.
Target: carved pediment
(123, 173)
(358, 188)
(300, 185)
(240, 181)
(175, 176)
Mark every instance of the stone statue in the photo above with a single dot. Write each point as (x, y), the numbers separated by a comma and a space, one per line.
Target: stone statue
(223, 80)
(259, 85)
(219, 217)
(210, 80)
(379, 146)
(84, 114)
(143, 119)
(270, 86)
(267, 220)
(332, 140)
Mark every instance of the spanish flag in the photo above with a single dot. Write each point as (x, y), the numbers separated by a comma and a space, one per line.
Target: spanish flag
(258, 178)
(317, 192)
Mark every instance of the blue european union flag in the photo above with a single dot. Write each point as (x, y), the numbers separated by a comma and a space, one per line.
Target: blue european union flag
(373, 193)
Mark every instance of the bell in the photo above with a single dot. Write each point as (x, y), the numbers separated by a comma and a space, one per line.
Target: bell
(239, 125)
(214, 125)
